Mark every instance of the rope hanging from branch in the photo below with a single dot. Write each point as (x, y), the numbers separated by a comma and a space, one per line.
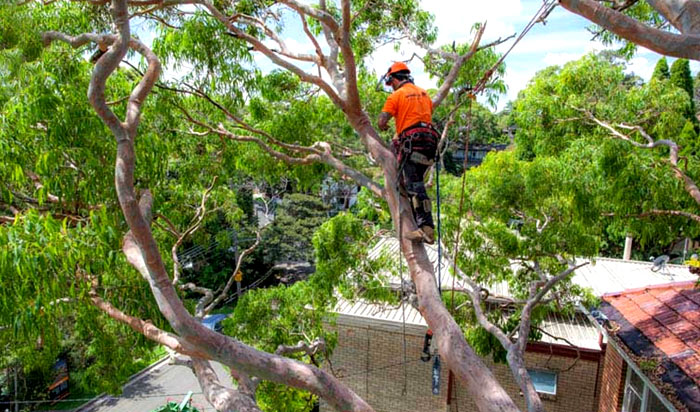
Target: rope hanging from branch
(540, 15)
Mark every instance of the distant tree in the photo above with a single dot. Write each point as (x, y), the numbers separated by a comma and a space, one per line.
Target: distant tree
(688, 140)
(696, 92)
(661, 70)
(288, 238)
(681, 77)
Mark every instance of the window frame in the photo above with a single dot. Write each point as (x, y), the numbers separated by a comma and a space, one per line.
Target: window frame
(645, 395)
(556, 380)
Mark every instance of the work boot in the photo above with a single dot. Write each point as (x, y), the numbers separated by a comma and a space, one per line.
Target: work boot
(424, 234)
(428, 234)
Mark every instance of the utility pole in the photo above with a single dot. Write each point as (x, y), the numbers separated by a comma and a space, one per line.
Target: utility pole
(16, 390)
(238, 276)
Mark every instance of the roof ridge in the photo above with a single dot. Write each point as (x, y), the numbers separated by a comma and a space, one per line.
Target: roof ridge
(650, 287)
(631, 261)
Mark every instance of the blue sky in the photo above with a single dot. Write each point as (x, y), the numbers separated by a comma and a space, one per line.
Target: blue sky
(564, 38)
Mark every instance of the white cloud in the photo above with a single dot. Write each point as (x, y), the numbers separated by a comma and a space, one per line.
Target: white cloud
(516, 81)
(559, 59)
(296, 46)
(694, 66)
(455, 19)
(641, 66)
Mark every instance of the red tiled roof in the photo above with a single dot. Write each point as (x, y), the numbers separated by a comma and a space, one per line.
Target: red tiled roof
(669, 316)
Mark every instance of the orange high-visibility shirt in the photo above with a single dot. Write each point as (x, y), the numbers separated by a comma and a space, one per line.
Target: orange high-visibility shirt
(409, 105)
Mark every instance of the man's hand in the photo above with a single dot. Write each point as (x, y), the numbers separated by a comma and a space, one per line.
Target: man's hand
(384, 121)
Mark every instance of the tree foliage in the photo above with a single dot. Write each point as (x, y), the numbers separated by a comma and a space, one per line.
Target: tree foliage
(680, 77)
(288, 239)
(537, 206)
(661, 71)
(611, 176)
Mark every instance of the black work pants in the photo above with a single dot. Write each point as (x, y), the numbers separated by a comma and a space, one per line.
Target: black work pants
(413, 175)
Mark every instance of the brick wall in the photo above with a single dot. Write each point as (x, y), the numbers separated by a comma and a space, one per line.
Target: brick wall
(371, 361)
(379, 351)
(612, 381)
(576, 382)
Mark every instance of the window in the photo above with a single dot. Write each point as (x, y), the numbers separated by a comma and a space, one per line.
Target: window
(639, 397)
(544, 381)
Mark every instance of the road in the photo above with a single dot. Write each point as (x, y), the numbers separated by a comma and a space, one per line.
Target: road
(159, 385)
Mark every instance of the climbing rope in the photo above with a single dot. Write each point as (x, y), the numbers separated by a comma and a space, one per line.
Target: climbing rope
(543, 11)
(439, 226)
(401, 298)
(461, 198)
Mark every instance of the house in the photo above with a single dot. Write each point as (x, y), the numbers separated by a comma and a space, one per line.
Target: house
(476, 153)
(652, 362)
(338, 195)
(379, 349)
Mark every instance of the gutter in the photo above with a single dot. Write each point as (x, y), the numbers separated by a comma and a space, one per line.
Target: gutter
(104, 397)
(630, 363)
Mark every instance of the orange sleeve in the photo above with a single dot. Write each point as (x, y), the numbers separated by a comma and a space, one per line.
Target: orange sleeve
(390, 105)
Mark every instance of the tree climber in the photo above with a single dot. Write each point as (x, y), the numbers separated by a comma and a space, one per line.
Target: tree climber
(415, 143)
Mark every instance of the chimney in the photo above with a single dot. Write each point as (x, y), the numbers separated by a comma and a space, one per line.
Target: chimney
(628, 248)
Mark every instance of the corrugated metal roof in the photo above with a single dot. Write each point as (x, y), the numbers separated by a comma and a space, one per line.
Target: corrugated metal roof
(576, 329)
(603, 275)
(389, 246)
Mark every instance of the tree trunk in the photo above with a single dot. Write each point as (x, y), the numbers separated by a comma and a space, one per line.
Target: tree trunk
(483, 388)
(223, 399)
(522, 378)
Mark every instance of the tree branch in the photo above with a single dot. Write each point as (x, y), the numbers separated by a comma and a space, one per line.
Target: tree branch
(318, 345)
(474, 292)
(209, 344)
(195, 224)
(320, 152)
(657, 212)
(688, 183)
(682, 14)
(145, 328)
(274, 57)
(352, 94)
(661, 41)
(535, 299)
(458, 62)
(223, 399)
(283, 49)
(224, 292)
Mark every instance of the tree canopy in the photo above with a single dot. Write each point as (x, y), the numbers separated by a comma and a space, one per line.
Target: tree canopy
(586, 168)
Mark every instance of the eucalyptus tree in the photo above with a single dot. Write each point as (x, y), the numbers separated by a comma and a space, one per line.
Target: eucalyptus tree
(669, 27)
(58, 212)
(213, 40)
(350, 32)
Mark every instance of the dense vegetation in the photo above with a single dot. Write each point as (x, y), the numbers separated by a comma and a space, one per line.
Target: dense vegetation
(566, 188)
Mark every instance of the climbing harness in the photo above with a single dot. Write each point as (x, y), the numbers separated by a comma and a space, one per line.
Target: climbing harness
(420, 137)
